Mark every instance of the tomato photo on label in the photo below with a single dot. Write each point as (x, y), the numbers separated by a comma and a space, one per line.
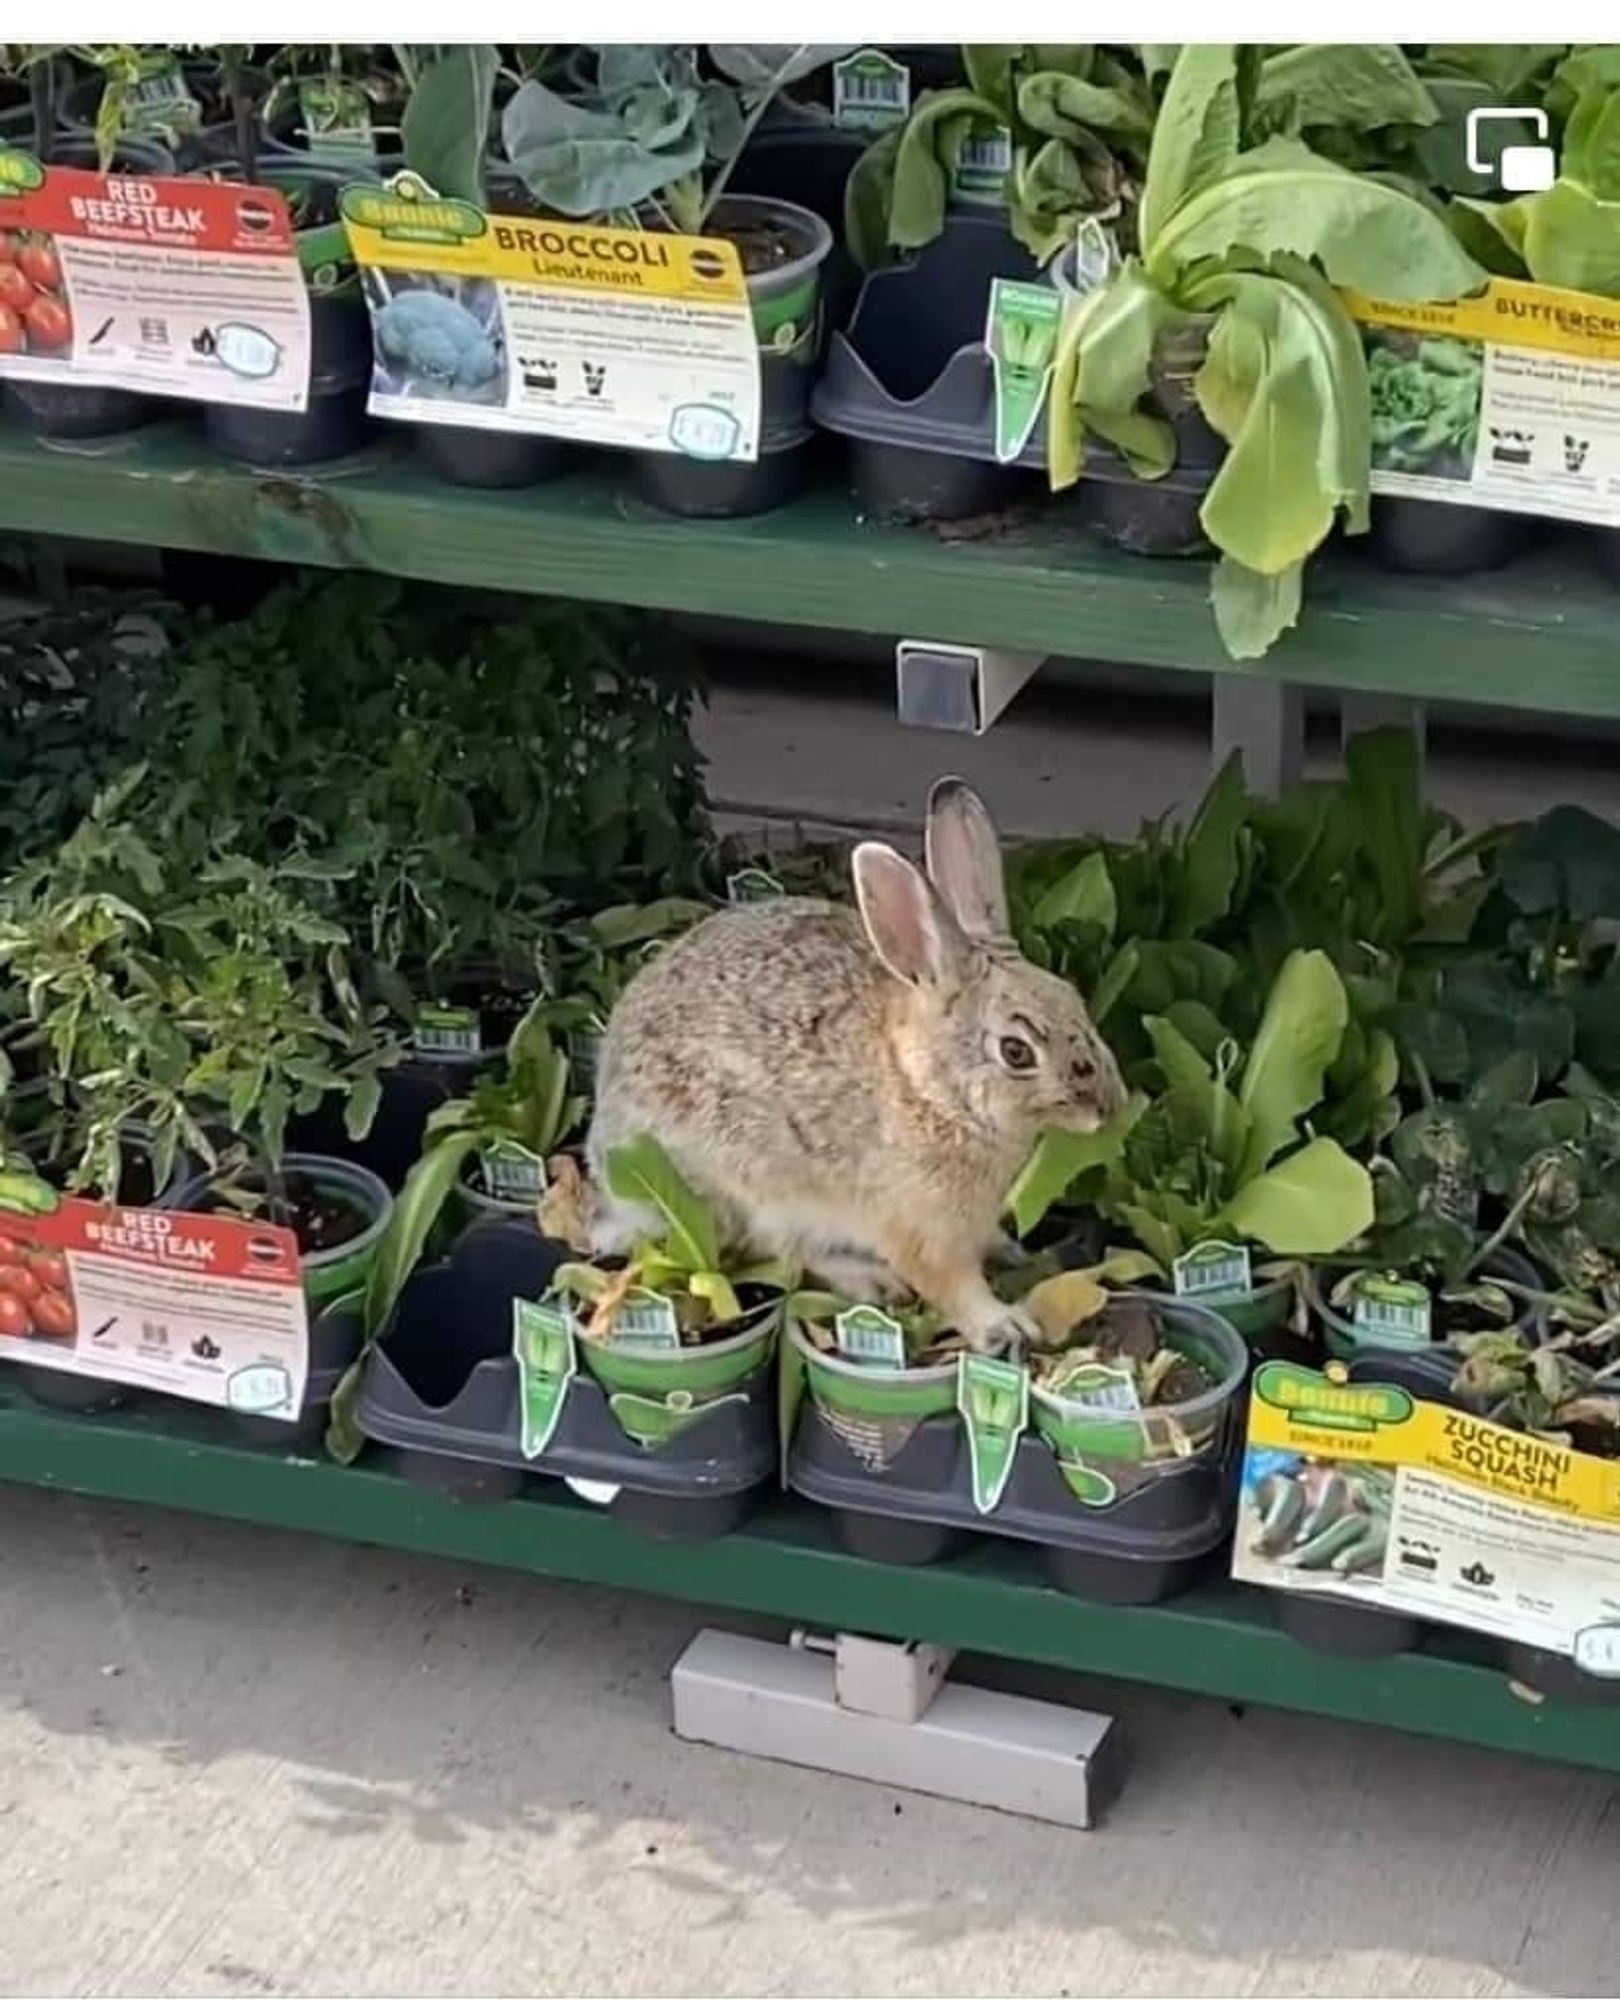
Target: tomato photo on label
(40, 264)
(18, 1280)
(48, 323)
(49, 1266)
(53, 1314)
(11, 332)
(8, 246)
(15, 290)
(14, 1321)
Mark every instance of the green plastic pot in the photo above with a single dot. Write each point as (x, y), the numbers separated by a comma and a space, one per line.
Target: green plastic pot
(654, 1394)
(1126, 1450)
(862, 1389)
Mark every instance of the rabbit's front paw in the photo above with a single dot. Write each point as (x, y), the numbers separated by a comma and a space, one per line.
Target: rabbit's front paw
(1002, 1330)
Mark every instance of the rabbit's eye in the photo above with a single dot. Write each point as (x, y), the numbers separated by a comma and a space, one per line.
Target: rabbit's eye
(1016, 1053)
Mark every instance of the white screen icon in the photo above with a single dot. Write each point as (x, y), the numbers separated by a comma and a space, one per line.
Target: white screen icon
(1521, 169)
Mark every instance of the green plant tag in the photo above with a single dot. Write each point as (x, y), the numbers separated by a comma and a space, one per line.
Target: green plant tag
(646, 1319)
(511, 1172)
(1020, 334)
(1101, 1386)
(1392, 1312)
(543, 1345)
(337, 113)
(868, 1335)
(993, 1398)
(158, 100)
(983, 164)
(447, 1031)
(752, 885)
(1213, 1271)
(871, 92)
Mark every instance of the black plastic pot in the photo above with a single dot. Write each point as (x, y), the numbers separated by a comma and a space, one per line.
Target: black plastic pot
(789, 320)
(1346, 1631)
(908, 384)
(1604, 543)
(70, 411)
(1433, 538)
(908, 1497)
(390, 1149)
(1425, 1372)
(463, 456)
(335, 422)
(448, 1408)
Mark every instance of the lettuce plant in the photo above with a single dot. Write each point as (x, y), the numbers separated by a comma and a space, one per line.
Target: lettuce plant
(1568, 234)
(1245, 245)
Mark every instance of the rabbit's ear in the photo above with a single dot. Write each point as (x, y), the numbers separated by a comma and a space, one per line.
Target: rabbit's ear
(911, 931)
(964, 859)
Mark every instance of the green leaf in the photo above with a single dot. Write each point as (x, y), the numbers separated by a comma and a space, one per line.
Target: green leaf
(1567, 862)
(924, 159)
(1196, 138)
(1572, 239)
(417, 1207)
(1058, 1161)
(1207, 868)
(1309, 1205)
(1120, 970)
(1070, 107)
(584, 162)
(1298, 1037)
(639, 1170)
(1358, 86)
(445, 130)
(1384, 777)
(1100, 371)
(1252, 611)
(1084, 895)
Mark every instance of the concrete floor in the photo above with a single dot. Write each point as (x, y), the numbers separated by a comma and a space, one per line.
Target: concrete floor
(237, 1762)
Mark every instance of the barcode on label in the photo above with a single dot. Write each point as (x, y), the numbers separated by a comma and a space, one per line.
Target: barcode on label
(447, 1041)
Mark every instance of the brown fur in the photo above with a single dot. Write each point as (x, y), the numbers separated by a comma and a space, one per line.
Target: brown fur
(831, 1079)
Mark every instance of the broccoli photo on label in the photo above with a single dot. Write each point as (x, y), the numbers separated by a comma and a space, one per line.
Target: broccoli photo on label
(433, 343)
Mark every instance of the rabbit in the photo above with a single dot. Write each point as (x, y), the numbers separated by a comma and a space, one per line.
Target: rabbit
(856, 1089)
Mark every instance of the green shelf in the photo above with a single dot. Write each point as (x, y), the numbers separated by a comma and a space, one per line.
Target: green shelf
(1216, 1641)
(1539, 635)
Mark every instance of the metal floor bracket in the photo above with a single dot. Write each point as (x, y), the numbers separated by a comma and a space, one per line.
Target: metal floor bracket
(874, 1709)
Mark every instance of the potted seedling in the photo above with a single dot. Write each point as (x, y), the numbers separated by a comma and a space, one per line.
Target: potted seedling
(334, 421)
(335, 101)
(1217, 1159)
(35, 311)
(1104, 1444)
(1030, 168)
(644, 1381)
(593, 959)
(257, 983)
(1225, 341)
(650, 143)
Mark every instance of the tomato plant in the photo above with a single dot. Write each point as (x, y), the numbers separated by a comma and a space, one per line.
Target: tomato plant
(48, 323)
(40, 264)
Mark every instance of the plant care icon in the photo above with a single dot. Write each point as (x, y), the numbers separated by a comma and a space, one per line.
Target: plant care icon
(1519, 169)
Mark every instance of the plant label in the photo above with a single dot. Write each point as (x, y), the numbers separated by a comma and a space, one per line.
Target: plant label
(447, 1031)
(1101, 1386)
(158, 99)
(871, 92)
(1213, 1272)
(1020, 334)
(1095, 255)
(1391, 1312)
(868, 1335)
(1362, 1492)
(983, 164)
(752, 885)
(993, 1398)
(645, 1319)
(632, 338)
(1508, 399)
(543, 1332)
(512, 1173)
(185, 288)
(337, 117)
(207, 1307)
